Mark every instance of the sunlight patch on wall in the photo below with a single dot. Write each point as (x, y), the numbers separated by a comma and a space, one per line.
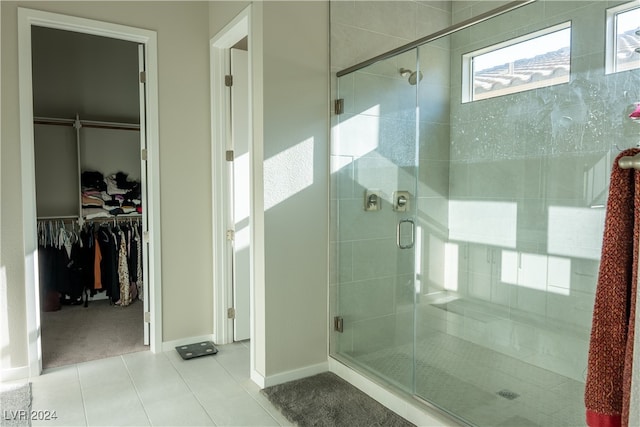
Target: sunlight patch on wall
(491, 223)
(338, 162)
(358, 135)
(436, 261)
(559, 275)
(288, 173)
(451, 266)
(377, 171)
(534, 271)
(575, 232)
(241, 238)
(242, 187)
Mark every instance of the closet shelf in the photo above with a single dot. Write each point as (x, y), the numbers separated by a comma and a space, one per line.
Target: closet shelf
(85, 123)
(62, 162)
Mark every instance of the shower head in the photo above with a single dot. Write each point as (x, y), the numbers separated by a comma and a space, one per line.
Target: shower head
(414, 76)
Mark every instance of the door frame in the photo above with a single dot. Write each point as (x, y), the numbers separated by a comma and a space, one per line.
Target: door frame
(26, 19)
(248, 23)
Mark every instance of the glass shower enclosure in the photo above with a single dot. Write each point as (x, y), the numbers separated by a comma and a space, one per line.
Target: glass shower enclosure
(468, 196)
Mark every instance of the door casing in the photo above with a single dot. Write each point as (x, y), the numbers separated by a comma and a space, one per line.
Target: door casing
(151, 222)
(248, 23)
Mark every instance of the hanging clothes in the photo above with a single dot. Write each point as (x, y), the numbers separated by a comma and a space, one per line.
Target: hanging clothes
(97, 258)
(609, 369)
(97, 262)
(138, 254)
(109, 263)
(60, 265)
(123, 271)
(132, 253)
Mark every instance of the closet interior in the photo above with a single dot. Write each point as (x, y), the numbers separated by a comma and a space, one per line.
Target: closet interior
(89, 195)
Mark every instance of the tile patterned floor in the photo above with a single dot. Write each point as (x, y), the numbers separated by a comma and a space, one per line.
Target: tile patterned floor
(465, 379)
(146, 389)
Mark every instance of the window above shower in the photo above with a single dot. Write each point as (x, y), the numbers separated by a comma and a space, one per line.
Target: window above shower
(623, 38)
(535, 60)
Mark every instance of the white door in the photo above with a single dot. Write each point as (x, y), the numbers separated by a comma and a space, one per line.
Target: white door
(240, 188)
(145, 199)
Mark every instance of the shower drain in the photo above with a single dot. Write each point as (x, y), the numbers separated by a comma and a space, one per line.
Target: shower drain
(508, 394)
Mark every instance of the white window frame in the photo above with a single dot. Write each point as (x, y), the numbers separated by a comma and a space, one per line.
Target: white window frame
(611, 46)
(467, 60)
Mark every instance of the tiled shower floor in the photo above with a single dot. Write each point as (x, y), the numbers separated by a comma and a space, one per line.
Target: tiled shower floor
(479, 385)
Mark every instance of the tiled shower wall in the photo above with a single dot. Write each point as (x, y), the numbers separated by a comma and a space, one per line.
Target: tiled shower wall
(512, 186)
(377, 301)
(361, 30)
(376, 150)
(536, 166)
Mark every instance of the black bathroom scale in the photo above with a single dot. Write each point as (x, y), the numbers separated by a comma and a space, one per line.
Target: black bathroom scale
(199, 349)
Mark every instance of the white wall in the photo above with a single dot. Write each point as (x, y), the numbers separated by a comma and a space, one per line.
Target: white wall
(296, 109)
(222, 12)
(295, 58)
(185, 172)
(56, 160)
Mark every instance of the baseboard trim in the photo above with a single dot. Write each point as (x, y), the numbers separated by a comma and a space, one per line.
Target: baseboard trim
(293, 375)
(13, 374)
(258, 378)
(405, 407)
(171, 345)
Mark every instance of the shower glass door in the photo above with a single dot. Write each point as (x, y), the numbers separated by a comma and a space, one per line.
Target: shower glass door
(374, 199)
(511, 257)
(478, 298)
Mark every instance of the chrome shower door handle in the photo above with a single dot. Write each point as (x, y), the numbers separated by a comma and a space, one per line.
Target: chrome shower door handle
(399, 234)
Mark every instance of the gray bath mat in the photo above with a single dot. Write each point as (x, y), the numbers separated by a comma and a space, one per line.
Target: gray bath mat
(328, 400)
(15, 402)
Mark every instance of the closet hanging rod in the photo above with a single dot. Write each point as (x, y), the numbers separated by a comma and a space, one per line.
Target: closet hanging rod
(119, 218)
(85, 123)
(97, 219)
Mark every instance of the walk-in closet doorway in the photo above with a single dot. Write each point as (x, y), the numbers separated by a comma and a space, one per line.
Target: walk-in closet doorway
(89, 158)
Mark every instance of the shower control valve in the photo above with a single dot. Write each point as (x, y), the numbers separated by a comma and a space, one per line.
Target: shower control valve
(372, 200)
(401, 201)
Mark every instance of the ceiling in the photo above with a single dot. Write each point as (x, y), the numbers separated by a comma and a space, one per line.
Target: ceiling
(95, 77)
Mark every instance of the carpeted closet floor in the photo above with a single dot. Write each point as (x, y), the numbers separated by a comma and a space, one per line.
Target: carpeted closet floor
(77, 334)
